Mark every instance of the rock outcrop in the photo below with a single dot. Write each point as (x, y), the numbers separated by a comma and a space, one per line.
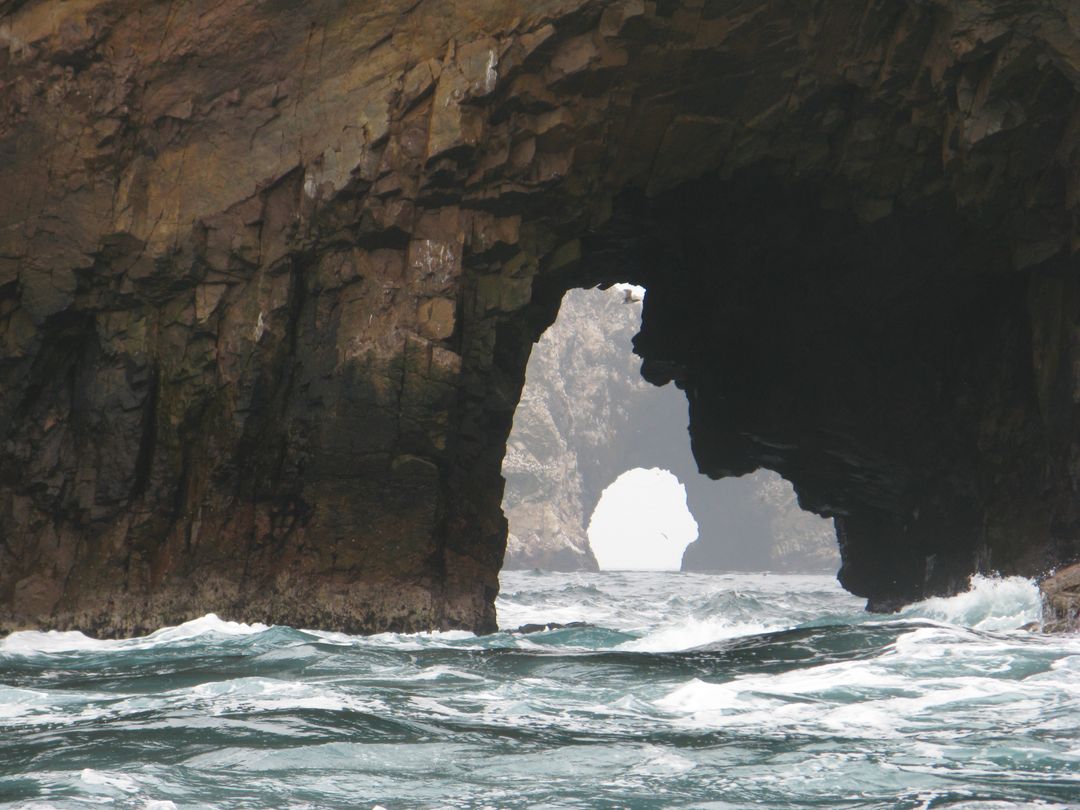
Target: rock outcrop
(1061, 600)
(586, 416)
(270, 274)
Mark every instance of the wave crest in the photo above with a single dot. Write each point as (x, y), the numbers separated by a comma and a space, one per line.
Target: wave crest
(991, 603)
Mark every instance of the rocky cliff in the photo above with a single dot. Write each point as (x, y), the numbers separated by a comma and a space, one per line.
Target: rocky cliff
(270, 274)
(754, 523)
(586, 416)
(579, 386)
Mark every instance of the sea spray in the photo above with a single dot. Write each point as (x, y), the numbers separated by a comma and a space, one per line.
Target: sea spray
(991, 603)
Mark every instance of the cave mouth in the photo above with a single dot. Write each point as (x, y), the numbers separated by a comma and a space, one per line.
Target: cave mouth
(879, 357)
(600, 474)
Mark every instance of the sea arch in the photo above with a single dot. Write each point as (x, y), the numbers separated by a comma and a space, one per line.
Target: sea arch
(586, 418)
(270, 277)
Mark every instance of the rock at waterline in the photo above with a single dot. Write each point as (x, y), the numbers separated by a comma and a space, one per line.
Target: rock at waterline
(1061, 600)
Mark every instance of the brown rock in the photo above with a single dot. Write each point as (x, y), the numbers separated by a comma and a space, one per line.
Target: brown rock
(856, 225)
(437, 318)
(1061, 600)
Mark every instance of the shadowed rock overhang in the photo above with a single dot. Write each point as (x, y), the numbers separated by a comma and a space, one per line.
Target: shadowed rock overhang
(270, 273)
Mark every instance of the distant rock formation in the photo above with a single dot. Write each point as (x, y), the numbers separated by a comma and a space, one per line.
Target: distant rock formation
(586, 416)
(577, 409)
(754, 523)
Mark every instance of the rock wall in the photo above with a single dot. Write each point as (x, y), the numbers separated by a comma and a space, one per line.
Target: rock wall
(270, 273)
(586, 416)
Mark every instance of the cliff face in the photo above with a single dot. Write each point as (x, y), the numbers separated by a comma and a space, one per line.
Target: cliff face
(579, 411)
(754, 523)
(580, 386)
(270, 272)
(586, 416)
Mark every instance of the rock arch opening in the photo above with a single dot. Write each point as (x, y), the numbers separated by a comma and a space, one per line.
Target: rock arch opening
(641, 522)
(589, 428)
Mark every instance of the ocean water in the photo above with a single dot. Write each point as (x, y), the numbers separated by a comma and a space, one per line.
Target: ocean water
(684, 690)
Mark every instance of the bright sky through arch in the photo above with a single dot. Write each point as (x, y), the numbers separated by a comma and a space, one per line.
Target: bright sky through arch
(642, 522)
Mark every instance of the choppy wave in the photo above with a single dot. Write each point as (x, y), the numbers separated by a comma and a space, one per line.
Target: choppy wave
(680, 691)
(992, 603)
(52, 641)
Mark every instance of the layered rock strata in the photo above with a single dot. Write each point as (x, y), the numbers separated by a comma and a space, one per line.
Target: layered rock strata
(270, 273)
(586, 416)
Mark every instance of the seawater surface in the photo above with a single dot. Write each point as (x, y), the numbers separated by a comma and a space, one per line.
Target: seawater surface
(685, 690)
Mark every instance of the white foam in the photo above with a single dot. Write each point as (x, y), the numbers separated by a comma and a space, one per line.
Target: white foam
(663, 762)
(922, 702)
(770, 706)
(928, 674)
(437, 673)
(642, 603)
(17, 702)
(698, 696)
(210, 623)
(31, 642)
(403, 641)
(268, 694)
(692, 632)
(27, 642)
(432, 706)
(991, 604)
(513, 615)
(48, 707)
(113, 781)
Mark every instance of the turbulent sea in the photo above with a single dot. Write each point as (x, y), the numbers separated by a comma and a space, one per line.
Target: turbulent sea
(684, 690)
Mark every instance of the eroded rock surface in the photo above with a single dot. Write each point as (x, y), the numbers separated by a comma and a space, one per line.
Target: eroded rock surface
(1061, 600)
(754, 523)
(270, 272)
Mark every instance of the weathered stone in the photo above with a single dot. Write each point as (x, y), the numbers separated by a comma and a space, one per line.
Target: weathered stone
(1061, 600)
(437, 318)
(207, 297)
(848, 218)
